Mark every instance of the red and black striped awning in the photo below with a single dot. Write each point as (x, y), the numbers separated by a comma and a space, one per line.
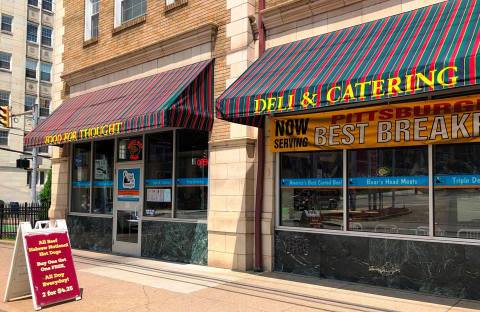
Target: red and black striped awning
(181, 97)
(428, 49)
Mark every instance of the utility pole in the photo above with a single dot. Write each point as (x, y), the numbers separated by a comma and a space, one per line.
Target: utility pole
(33, 177)
(36, 110)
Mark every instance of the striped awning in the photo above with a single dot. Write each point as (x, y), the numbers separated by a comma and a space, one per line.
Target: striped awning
(428, 49)
(181, 97)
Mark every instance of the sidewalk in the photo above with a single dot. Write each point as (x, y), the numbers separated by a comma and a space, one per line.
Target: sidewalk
(116, 283)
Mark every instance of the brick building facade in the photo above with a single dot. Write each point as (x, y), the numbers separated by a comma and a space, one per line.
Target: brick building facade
(305, 228)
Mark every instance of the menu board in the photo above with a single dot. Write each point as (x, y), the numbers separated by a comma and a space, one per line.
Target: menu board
(43, 261)
(51, 267)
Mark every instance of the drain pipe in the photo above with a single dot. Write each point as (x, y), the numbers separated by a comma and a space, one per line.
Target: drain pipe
(261, 157)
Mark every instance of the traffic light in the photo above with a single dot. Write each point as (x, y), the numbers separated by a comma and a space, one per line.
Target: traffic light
(23, 163)
(4, 116)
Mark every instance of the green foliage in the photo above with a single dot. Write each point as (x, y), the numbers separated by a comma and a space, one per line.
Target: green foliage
(46, 193)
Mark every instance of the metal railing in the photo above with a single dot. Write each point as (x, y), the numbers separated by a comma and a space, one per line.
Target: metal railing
(13, 213)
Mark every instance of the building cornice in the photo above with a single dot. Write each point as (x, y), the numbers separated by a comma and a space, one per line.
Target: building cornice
(203, 34)
(295, 10)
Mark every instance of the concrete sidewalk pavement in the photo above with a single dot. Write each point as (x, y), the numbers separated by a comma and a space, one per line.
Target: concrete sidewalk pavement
(116, 283)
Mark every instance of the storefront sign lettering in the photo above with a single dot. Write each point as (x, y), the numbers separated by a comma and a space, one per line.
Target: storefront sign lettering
(452, 120)
(359, 91)
(82, 134)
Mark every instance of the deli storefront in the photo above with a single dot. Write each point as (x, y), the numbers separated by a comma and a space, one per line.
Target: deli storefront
(138, 164)
(374, 134)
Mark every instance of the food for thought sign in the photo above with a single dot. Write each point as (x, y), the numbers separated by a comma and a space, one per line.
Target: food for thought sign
(49, 267)
(453, 120)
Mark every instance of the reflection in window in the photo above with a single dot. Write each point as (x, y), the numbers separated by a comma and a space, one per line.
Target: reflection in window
(456, 193)
(158, 175)
(103, 177)
(388, 190)
(191, 174)
(311, 190)
(81, 178)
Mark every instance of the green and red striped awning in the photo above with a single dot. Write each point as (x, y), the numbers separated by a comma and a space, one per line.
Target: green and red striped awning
(424, 50)
(181, 97)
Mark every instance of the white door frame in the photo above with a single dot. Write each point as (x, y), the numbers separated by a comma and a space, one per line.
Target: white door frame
(120, 247)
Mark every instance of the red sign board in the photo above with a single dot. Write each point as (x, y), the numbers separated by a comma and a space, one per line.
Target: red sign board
(51, 267)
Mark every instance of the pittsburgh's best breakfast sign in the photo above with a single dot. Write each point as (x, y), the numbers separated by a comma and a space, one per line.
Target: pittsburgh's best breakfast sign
(452, 120)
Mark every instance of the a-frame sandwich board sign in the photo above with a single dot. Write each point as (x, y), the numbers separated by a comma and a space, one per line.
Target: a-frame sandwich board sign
(42, 265)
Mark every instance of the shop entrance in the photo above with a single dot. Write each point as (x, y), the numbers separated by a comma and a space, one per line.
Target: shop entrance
(127, 208)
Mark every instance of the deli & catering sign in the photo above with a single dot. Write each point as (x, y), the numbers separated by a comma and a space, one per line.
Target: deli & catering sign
(453, 120)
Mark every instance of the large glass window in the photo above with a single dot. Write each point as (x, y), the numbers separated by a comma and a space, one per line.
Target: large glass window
(80, 196)
(45, 71)
(4, 98)
(47, 36)
(158, 175)
(3, 137)
(311, 190)
(47, 5)
(7, 23)
(29, 102)
(32, 32)
(191, 174)
(388, 190)
(103, 163)
(132, 9)
(31, 68)
(457, 190)
(5, 59)
(45, 108)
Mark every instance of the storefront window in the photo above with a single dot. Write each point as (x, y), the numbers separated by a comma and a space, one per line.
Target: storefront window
(311, 190)
(81, 178)
(191, 174)
(388, 190)
(158, 175)
(130, 149)
(457, 190)
(103, 177)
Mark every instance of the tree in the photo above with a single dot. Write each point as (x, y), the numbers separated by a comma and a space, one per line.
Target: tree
(46, 193)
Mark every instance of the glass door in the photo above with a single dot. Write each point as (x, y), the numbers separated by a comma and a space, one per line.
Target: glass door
(128, 202)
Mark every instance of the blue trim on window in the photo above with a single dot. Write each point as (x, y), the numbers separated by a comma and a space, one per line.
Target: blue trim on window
(413, 181)
(313, 182)
(457, 180)
(81, 184)
(192, 181)
(158, 182)
(103, 183)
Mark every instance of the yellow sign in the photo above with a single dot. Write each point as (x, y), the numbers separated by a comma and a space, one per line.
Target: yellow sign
(363, 90)
(82, 134)
(453, 120)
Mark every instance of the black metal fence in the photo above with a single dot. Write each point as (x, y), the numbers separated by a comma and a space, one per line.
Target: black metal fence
(12, 214)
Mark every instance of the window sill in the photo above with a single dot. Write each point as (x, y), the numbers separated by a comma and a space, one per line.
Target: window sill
(46, 82)
(87, 214)
(31, 79)
(47, 47)
(6, 32)
(129, 24)
(176, 5)
(5, 70)
(90, 42)
(428, 239)
(32, 42)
